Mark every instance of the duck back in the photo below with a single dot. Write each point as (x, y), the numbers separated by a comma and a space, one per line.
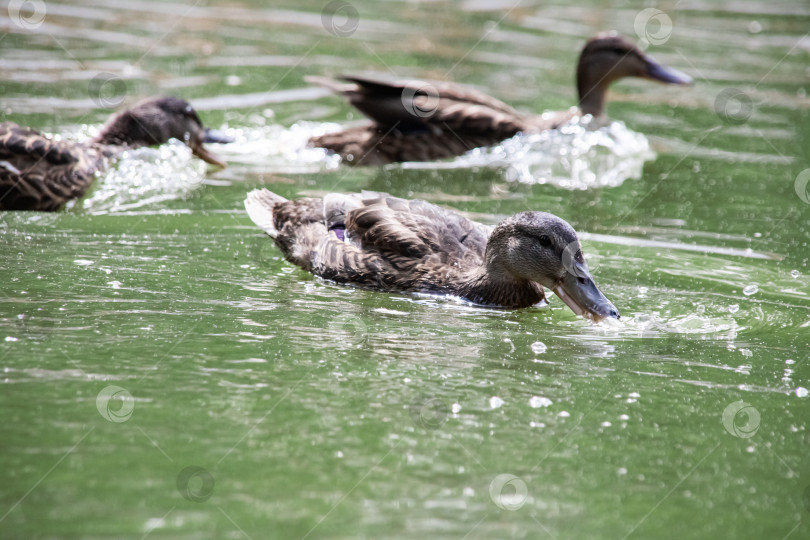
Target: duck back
(373, 239)
(38, 173)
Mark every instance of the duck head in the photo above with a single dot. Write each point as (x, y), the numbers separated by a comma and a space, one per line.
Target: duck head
(154, 121)
(607, 58)
(542, 248)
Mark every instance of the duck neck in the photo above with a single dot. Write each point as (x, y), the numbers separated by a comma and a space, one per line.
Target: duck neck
(592, 90)
(110, 147)
(492, 286)
(112, 136)
(125, 131)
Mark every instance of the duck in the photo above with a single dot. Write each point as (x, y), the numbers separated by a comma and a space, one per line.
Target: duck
(42, 174)
(425, 121)
(378, 241)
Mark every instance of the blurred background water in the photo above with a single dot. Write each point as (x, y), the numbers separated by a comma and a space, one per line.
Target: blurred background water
(165, 374)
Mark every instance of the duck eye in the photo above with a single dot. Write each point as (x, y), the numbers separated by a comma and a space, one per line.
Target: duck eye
(544, 240)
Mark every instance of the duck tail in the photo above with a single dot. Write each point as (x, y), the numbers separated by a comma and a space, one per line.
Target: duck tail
(259, 205)
(332, 84)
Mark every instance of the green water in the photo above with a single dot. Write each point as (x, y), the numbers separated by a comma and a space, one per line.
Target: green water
(310, 410)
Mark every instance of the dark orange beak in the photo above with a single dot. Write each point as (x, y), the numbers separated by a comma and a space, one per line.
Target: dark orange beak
(211, 136)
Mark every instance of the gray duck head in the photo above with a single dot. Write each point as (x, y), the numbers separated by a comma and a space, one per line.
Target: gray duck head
(155, 120)
(608, 58)
(540, 247)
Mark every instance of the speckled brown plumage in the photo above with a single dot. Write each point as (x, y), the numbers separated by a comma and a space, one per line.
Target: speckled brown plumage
(425, 121)
(392, 244)
(452, 121)
(39, 173)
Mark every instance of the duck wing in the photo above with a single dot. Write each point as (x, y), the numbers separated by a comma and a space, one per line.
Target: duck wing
(38, 173)
(22, 147)
(299, 228)
(372, 239)
(418, 106)
(435, 109)
(409, 231)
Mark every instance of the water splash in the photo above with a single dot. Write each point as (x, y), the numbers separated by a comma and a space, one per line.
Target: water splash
(147, 176)
(139, 177)
(279, 149)
(578, 155)
(581, 154)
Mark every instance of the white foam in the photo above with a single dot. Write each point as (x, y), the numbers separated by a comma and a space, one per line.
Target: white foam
(578, 155)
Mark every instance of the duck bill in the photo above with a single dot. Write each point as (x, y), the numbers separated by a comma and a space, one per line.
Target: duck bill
(216, 136)
(581, 294)
(661, 73)
(206, 155)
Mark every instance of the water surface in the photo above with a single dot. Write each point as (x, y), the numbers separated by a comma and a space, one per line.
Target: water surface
(165, 374)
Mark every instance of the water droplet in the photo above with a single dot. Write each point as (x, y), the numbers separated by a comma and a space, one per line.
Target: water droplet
(622, 471)
(606, 424)
(750, 289)
(538, 347)
(794, 274)
(495, 402)
(747, 353)
(456, 407)
(538, 401)
(790, 361)
(801, 392)
(11, 338)
(564, 414)
(734, 308)
(624, 417)
(755, 27)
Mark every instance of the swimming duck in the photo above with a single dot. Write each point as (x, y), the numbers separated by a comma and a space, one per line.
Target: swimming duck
(39, 173)
(383, 242)
(421, 121)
